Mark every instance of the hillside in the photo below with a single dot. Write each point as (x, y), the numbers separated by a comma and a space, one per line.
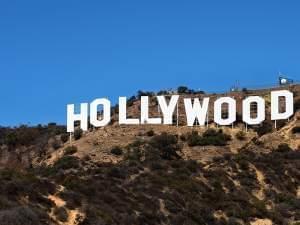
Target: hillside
(154, 174)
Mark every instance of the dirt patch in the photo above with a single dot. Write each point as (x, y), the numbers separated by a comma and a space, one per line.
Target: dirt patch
(261, 222)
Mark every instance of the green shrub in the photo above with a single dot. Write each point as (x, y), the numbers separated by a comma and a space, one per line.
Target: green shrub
(182, 137)
(70, 150)
(61, 214)
(116, 172)
(20, 216)
(116, 150)
(241, 135)
(56, 144)
(167, 144)
(64, 138)
(264, 128)
(283, 148)
(77, 134)
(66, 162)
(22, 135)
(11, 139)
(144, 93)
(297, 104)
(193, 138)
(29, 135)
(162, 92)
(296, 130)
(214, 137)
(182, 90)
(150, 133)
(209, 137)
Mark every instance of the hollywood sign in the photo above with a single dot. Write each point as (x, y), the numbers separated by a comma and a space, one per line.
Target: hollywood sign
(194, 109)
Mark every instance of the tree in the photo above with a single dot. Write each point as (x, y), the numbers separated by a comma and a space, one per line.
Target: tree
(167, 145)
(182, 90)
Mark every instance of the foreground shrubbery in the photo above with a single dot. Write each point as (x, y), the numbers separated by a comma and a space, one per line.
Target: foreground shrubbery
(153, 176)
(115, 195)
(15, 186)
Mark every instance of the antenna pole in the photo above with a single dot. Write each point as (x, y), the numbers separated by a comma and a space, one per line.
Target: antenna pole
(158, 109)
(70, 138)
(177, 114)
(207, 118)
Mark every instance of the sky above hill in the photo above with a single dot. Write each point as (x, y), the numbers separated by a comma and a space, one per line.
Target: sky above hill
(57, 52)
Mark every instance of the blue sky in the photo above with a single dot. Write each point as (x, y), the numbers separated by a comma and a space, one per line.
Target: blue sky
(57, 52)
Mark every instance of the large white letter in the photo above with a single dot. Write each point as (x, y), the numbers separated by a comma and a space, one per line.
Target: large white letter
(195, 110)
(145, 112)
(260, 110)
(167, 110)
(82, 117)
(94, 112)
(231, 111)
(122, 113)
(289, 104)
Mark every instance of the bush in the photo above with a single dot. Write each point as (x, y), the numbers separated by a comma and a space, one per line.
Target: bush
(240, 135)
(61, 214)
(167, 144)
(144, 93)
(116, 150)
(193, 138)
(66, 162)
(22, 135)
(280, 124)
(296, 130)
(11, 139)
(150, 133)
(116, 172)
(297, 105)
(264, 128)
(182, 90)
(77, 134)
(25, 136)
(20, 216)
(56, 144)
(283, 148)
(70, 150)
(162, 92)
(209, 137)
(64, 138)
(182, 137)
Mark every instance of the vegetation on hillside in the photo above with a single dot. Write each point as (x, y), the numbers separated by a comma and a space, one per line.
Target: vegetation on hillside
(154, 185)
